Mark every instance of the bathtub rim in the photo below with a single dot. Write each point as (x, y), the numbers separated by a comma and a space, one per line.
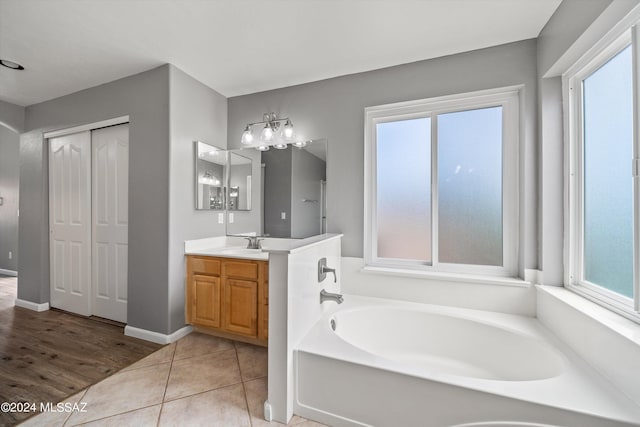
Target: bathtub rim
(604, 399)
(559, 359)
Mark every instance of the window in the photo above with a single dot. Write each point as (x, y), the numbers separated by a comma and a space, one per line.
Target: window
(440, 183)
(603, 195)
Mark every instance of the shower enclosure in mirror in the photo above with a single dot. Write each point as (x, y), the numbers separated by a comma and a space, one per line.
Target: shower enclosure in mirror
(289, 190)
(210, 167)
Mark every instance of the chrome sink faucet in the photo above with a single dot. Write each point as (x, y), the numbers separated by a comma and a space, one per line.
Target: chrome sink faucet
(328, 296)
(254, 242)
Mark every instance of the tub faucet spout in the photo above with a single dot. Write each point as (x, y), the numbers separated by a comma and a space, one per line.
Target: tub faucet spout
(328, 296)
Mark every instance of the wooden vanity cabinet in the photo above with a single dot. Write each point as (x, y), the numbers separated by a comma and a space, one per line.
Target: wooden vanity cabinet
(228, 297)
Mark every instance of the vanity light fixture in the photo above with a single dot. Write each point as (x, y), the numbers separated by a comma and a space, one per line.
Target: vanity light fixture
(300, 144)
(280, 146)
(272, 128)
(262, 148)
(247, 136)
(11, 64)
(287, 131)
(267, 133)
(209, 179)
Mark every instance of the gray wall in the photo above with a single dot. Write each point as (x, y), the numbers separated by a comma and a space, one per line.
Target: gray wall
(277, 192)
(197, 112)
(334, 109)
(307, 171)
(145, 98)
(12, 116)
(565, 27)
(9, 179)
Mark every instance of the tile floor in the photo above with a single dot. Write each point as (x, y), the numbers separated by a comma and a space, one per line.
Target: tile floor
(199, 381)
(51, 355)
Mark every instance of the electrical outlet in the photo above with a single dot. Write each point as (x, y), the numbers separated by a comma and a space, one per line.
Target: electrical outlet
(10, 255)
(220, 218)
(231, 218)
(283, 215)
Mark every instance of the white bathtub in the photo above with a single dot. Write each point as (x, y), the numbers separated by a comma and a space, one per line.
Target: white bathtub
(391, 363)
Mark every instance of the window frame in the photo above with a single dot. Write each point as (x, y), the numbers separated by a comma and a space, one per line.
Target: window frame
(572, 86)
(510, 99)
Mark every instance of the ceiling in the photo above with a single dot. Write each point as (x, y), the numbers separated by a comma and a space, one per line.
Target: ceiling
(242, 46)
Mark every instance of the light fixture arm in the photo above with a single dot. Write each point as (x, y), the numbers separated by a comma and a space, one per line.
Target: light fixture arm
(272, 124)
(269, 118)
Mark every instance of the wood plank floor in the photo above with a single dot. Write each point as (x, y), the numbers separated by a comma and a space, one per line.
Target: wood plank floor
(48, 356)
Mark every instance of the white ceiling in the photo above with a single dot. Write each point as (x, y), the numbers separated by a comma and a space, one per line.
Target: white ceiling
(242, 46)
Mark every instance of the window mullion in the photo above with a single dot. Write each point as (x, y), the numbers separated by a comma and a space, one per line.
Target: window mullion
(434, 190)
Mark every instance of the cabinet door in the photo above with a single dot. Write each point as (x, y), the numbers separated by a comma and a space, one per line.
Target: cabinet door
(241, 307)
(205, 302)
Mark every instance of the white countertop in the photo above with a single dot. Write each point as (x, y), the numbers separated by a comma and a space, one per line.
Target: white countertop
(235, 246)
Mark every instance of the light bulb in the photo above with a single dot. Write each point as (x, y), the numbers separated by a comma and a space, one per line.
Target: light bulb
(280, 146)
(267, 133)
(247, 136)
(287, 132)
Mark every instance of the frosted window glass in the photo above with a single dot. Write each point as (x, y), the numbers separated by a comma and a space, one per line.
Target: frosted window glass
(470, 187)
(403, 189)
(608, 196)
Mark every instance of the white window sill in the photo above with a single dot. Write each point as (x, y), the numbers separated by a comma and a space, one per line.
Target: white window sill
(447, 277)
(605, 317)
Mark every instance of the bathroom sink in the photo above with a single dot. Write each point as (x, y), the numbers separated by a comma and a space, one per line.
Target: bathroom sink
(239, 251)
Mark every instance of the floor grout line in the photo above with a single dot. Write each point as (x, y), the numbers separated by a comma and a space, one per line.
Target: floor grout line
(68, 417)
(246, 402)
(202, 392)
(244, 389)
(111, 416)
(166, 384)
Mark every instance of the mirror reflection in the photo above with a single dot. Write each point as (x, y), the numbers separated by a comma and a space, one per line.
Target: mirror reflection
(239, 182)
(289, 191)
(210, 173)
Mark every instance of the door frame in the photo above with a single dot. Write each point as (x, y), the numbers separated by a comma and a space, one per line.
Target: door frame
(90, 126)
(47, 136)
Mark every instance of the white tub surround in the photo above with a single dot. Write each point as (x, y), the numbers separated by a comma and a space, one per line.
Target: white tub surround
(398, 363)
(294, 307)
(608, 341)
(501, 294)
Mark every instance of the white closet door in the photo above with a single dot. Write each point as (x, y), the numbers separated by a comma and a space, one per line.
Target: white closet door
(110, 165)
(70, 222)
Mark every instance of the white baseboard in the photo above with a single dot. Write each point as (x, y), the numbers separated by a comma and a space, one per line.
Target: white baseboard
(32, 305)
(8, 272)
(156, 337)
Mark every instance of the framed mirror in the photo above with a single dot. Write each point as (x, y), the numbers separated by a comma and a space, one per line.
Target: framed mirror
(210, 172)
(240, 177)
(289, 191)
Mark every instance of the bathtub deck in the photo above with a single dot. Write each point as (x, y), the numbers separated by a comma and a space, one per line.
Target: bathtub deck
(364, 385)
